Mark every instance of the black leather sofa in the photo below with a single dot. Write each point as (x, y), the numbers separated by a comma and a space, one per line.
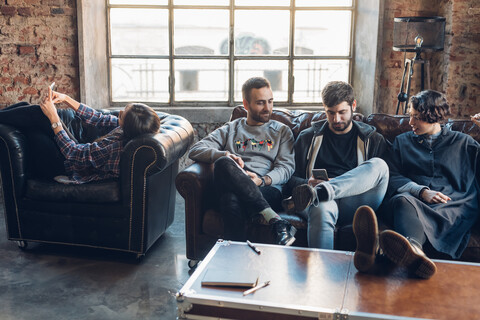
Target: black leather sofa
(126, 214)
(204, 223)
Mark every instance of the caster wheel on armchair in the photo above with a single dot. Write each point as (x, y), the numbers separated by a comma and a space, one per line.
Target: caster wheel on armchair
(22, 244)
(193, 263)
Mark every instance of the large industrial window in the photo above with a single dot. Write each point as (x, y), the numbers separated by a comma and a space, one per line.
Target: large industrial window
(199, 52)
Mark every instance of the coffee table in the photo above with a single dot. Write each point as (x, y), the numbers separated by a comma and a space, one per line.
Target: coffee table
(324, 284)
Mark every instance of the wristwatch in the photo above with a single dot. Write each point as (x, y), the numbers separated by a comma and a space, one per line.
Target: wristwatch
(56, 125)
(263, 182)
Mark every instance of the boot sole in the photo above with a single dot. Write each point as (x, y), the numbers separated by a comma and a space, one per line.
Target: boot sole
(302, 197)
(290, 241)
(365, 229)
(288, 206)
(398, 249)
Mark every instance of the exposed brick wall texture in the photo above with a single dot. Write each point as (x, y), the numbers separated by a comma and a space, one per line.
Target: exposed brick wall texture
(38, 45)
(454, 71)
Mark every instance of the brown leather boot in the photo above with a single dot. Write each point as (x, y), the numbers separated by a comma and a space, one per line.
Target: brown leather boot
(407, 252)
(365, 229)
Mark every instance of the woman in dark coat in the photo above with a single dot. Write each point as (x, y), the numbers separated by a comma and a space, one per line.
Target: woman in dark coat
(433, 173)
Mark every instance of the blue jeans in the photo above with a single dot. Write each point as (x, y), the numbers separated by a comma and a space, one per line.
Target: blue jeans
(363, 185)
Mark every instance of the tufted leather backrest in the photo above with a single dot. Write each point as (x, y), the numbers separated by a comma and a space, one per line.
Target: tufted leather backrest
(388, 125)
(391, 126)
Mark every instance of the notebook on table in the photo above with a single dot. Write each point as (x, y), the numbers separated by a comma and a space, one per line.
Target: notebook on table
(230, 277)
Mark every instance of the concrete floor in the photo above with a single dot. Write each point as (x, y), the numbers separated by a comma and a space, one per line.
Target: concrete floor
(62, 282)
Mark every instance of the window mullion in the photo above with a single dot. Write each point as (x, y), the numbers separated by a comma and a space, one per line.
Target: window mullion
(171, 80)
(291, 82)
(231, 54)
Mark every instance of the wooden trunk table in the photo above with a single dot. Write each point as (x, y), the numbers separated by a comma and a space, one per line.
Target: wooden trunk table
(324, 284)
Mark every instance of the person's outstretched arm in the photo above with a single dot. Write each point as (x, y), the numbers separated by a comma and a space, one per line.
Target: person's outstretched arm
(58, 97)
(49, 110)
(86, 114)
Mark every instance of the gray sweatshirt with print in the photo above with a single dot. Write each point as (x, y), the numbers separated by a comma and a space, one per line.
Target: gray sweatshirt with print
(266, 149)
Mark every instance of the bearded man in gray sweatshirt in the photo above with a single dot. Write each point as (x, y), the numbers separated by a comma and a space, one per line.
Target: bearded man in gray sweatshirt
(253, 157)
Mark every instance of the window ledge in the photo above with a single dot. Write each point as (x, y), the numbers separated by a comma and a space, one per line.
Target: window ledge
(200, 115)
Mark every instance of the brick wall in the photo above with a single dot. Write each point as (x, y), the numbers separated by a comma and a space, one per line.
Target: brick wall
(38, 45)
(454, 71)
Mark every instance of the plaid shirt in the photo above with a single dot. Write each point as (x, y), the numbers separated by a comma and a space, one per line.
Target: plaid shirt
(98, 160)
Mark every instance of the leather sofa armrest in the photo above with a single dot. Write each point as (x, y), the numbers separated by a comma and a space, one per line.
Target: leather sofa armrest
(13, 160)
(152, 153)
(195, 185)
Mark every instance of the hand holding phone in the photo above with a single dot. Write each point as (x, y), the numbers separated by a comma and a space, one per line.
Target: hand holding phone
(50, 90)
(320, 174)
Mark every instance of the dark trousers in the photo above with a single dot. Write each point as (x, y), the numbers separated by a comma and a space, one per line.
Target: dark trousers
(46, 159)
(404, 218)
(239, 199)
(27, 116)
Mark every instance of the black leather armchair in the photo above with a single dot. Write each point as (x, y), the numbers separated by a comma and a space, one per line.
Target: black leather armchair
(126, 214)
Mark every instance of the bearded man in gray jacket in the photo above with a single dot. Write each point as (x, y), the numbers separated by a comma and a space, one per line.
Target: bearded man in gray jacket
(253, 157)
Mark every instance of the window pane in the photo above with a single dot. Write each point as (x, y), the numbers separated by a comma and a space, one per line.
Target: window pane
(140, 80)
(275, 71)
(201, 80)
(262, 2)
(312, 75)
(139, 31)
(203, 2)
(201, 32)
(323, 3)
(261, 32)
(139, 2)
(327, 33)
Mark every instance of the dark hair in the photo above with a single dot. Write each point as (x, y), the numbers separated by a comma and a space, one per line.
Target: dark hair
(138, 119)
(431, 105)
(335, 92)
(253, 83)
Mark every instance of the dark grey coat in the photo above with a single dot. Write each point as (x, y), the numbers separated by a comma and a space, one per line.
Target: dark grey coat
(449, 166)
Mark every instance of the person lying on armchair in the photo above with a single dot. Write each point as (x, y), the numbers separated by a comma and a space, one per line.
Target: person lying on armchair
(62, 157)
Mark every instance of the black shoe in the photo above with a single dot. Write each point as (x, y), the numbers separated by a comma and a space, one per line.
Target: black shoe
(303, 197)
(405, 252)
(288, 205)
(284, 232)
(365, 229)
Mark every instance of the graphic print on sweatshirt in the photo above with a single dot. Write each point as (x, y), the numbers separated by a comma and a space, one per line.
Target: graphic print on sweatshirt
(254, 144)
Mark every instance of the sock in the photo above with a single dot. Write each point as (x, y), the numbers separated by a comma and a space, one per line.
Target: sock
(269, 214)
(322, 193)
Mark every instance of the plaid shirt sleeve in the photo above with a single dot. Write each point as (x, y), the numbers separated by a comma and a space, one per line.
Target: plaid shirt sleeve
(102, 154)
(95, 118)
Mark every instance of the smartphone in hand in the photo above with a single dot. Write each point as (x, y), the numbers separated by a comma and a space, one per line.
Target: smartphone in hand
(320, 174)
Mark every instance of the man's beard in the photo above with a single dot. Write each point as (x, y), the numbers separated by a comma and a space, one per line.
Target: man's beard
(341, 126)
(261, 117)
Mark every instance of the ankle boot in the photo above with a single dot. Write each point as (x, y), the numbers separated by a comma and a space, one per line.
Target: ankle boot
(407, 252)
(365, 229)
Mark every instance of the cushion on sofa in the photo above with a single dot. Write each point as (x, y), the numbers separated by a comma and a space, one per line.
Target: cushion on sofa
(96, 192)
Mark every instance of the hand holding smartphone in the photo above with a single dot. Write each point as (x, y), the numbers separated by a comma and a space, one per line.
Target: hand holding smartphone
(320, 174)
(50, 92)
